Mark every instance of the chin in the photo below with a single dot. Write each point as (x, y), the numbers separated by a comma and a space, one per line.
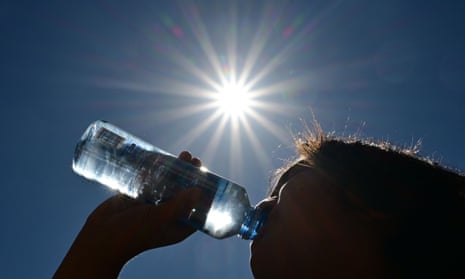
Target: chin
(259, 273)
(266, 272)
(262, 266)
(255, 265)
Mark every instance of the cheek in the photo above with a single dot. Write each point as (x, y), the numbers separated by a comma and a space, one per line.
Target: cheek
(293, 237)
(288, 231)
(308, 219)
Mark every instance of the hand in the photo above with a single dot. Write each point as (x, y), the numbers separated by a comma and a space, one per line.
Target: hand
(121, 227)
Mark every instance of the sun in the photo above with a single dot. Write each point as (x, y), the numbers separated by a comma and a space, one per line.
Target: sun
(233, 99)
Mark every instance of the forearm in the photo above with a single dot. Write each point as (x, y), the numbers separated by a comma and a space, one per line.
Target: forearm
(121, 228)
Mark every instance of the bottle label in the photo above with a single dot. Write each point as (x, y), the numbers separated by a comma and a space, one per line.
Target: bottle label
(108, 138)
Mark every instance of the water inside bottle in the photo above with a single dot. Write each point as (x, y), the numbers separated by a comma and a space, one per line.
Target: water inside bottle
(133, 167)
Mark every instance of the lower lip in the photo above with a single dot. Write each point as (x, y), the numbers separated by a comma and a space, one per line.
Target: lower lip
(261, 233)
(253, 246)
(256, 241)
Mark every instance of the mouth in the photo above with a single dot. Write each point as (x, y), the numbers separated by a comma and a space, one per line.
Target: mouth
(260, 235)
(253, 245)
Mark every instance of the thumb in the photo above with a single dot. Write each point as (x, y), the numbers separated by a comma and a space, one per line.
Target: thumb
(169, 226)
(183, 202)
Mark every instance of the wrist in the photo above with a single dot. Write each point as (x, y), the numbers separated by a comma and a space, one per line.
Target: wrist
(90, 257)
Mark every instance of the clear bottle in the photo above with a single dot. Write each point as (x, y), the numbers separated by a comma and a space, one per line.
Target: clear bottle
(115, 158)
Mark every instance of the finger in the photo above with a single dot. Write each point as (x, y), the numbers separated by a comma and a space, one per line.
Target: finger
(185, 156)
(196, 162)
(113, 205)
(170, 211)
(163, 223)
(176, 209)
(181, 205)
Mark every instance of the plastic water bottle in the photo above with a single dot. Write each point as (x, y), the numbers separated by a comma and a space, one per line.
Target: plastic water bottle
(115, 158)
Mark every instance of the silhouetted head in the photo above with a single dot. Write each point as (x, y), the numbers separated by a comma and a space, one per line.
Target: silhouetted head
(357, 209)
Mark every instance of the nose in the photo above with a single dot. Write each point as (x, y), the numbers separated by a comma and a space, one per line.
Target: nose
(267, 204)
(270, 201)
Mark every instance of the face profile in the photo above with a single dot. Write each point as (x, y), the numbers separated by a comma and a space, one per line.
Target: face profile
(357, 210)
(312, 230)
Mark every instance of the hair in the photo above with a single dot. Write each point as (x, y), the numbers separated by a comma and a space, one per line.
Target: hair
(423, 200)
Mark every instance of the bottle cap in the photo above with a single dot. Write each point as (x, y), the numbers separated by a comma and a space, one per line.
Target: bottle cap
(253, 222)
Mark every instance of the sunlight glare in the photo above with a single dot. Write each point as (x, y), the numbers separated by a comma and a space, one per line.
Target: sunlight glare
(233, 99)
(218, 220)
(234, 93)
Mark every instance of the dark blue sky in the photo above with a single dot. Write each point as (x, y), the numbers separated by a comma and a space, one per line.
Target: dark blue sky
(390, 70)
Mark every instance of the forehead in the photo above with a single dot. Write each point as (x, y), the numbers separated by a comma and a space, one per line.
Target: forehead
(292, 171)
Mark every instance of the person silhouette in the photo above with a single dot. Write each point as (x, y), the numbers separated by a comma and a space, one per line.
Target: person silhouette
(344, 208)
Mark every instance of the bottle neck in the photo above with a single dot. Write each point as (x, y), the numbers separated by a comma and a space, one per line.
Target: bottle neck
(254, 220)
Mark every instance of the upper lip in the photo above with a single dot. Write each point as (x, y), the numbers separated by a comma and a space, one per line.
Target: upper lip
(262, 230)
(254, 243)
(266, 207)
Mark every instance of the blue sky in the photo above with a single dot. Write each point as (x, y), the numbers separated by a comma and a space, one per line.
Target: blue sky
(390, 70)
